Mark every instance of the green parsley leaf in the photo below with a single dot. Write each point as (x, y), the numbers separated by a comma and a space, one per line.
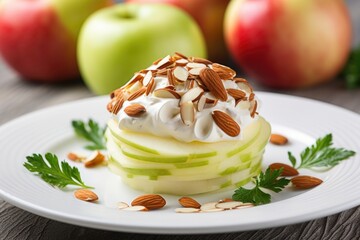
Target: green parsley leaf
(91, 132)
(321, 154)
(49, 169)
(269, 180)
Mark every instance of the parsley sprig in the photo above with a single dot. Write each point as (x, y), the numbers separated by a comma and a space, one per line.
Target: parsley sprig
(92, 132)
(269, 180)
(320, 154)
(49, 169)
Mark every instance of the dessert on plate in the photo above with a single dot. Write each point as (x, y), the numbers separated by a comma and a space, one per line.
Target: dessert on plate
(185, 126)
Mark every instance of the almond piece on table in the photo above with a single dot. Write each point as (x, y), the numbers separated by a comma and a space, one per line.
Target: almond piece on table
(135, 208)
(150, 201)
(189, 202)
(76, 157)
(122, 205)
(305, 182)
(287, 169)
(187, 113)
(135, 110)
(187, 210)
(213, 82)
(228, 205)
(86, 195)
(94, 159)
(278, 139)
(226, 123)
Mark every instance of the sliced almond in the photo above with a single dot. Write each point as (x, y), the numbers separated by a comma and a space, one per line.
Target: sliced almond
(228, 205)
(287, 169)
(187, 113)
(135, 208)
(147, 78)
(225, 200)
(245, 205)
(236, 93)
(76, 157)
(226, 123)
(181, 55)
(136, 78)
(187, 210)
(115, 105)
(305, 182)
(181, 74)
(278, 139)
(192, 95)
(208, 206)
(195, 65)
(189, 84)
(213, 82)
(165, 62)
(243, 85)
(170, 77)
(137, 94)
(150, 87)
(135, 110)
(95, 159)
(166, 93)
(189, 202)
(253, 108)
(200, 60)
(251, 96)
(86, 195)
(150, 201)
(200, 104)
(136, 86)
(195, 71)
(122, 205)
(224, 72)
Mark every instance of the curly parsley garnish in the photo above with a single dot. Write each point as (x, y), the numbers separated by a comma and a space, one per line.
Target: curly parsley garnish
(268, 180)
(91, 132)
(49, 169)
(321, 154)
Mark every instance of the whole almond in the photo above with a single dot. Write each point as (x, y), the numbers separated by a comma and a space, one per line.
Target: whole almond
(135, 110)
(278, 139)
(226, 123)
(305, 182)
(213, 82)
(86, 195)
(150, 201)
(287, 169)
(189, 202)
(236, 93)
(224, 72)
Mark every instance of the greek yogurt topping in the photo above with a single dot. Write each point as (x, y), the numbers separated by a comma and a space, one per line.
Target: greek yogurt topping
(189, 99)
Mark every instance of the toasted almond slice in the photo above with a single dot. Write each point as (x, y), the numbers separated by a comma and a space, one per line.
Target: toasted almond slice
(195, 65)
(236, 93)
(189, 202)
(150, 87)
(200, 104)
(86, 195)
(187, 113)
(243, 85)
(187, 210)
(135, 110)
(76, 157)
(166, 93)
(116, 105)
(94, 159)
(228, 205)
(137, 77)
(192, 95)
(137, 94)
(213, 210)
(136, 86)
(253, 107)
(171, 78)
(181, 55)
(165, 62)
(224, 72)
(181, 62)
(242, 104)
(200, 60)
(147, 78)
(226, 123)
(135, 208)
(189, 84)
(195, 71)
(208, 206)
(251, 96)
(213, 82)
(245, 205)
(181, 74)
(122, 205)
(225, 200)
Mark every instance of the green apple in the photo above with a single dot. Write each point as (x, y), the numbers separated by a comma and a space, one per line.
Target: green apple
(116, 42)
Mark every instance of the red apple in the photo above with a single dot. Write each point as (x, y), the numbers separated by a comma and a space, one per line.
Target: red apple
(38, 37)
(209, 14)
(289, 43)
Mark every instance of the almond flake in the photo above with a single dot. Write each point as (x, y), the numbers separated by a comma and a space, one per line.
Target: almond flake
(226, 123)
(236, 93)
(245, 205)
(243, 85)
(122, 205)
(187, 210)
(251, 96)
(137, 77)
(208, 206)
(187, 113)
(95, 159)
(135, 110)
(213, 82)
(181, 62)
(192, 95)
(181, 55)
(181, 74)
(136, 86)
(213, 210)
(166, 93)
(201, 103)
(147, 78)
(253, 107)
(228, 205)
(170, 77)
(150, 87)
(137, 94)
(135, 208)
(165, 62)
(200, 60)
(195, 71)
(116, 105)
(195, 65)
(76, 157)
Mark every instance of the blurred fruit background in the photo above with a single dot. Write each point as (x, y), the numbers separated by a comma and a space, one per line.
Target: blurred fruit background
(278, 44)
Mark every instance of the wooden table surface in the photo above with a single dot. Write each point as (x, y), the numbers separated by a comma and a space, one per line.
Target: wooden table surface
(18, 97)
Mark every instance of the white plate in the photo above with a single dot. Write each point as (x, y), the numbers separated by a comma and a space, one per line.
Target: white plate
(302, 120)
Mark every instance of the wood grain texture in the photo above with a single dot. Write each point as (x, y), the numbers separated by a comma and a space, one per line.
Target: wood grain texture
(18, 97)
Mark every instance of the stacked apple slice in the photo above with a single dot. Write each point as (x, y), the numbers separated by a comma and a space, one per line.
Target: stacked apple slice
(166, 165)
